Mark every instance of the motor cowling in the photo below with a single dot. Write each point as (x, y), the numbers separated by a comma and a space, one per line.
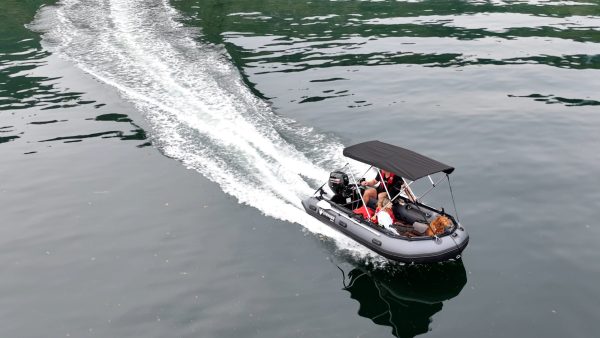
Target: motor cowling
(338, 182)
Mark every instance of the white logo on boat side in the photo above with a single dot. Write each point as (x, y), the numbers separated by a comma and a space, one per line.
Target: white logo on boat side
(331, 217)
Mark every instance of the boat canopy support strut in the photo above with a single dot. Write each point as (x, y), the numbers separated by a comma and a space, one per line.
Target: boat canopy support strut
(452, 194)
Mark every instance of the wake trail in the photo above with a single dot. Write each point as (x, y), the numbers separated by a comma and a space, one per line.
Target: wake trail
(199, 109)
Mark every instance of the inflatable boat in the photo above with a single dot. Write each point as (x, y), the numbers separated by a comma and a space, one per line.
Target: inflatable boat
(415, 235)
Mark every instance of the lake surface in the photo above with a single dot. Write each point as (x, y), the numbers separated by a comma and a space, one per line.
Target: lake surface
(154, 154)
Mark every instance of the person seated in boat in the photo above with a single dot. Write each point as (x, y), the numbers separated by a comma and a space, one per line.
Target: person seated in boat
(383, 205)
(377, 191)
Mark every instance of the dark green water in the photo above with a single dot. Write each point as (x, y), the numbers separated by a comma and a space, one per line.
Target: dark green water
(154, 154)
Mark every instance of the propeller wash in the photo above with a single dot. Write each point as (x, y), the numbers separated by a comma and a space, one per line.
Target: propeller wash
(200, 111)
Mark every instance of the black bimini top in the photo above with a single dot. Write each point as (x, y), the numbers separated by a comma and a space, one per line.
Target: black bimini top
(397, 160)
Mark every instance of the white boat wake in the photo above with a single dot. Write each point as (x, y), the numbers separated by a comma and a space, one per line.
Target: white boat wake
(200, 111)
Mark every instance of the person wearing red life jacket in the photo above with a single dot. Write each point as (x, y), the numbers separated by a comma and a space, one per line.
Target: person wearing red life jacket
(377, 191)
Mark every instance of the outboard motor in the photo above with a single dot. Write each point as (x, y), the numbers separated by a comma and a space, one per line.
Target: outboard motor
(345, 194)
(338, 182)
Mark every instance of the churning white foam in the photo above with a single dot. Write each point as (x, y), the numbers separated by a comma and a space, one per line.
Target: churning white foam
(200, 111)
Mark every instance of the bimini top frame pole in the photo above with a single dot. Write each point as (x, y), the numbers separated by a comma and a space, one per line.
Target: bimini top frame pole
(358, 189)
(405, 186)
(384, 185)
(433, 185)
(391, 200)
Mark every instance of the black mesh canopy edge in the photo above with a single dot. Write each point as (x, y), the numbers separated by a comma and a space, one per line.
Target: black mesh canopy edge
(397, 160)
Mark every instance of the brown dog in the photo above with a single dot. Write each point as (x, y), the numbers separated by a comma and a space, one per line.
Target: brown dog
(438, 226)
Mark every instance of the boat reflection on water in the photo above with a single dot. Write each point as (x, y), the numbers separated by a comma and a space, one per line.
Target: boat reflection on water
(406, 297)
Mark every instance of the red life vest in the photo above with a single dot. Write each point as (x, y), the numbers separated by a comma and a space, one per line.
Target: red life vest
(363, 211)
(390, 179)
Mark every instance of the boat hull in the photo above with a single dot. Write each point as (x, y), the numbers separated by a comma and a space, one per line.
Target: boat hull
(401, 249)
